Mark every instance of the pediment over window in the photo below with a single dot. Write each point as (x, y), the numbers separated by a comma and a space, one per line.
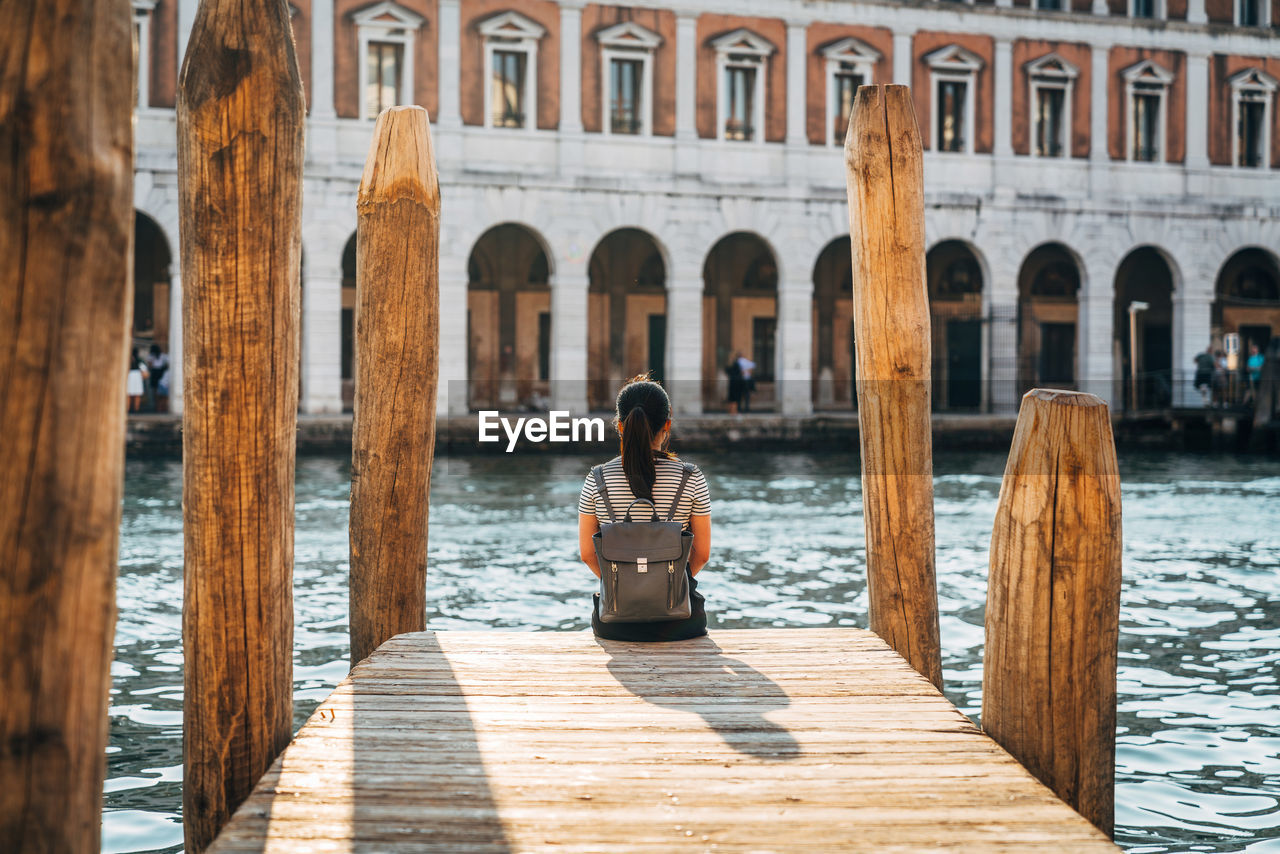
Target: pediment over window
(742, 41)
(953, 58)
(1052, 65)
(388, 16)
(511, 26)
(1252, 78)
(850, 50)
(629, 34)
(1147, 72)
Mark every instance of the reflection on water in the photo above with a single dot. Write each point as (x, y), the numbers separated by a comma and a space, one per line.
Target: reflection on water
(1198, 754)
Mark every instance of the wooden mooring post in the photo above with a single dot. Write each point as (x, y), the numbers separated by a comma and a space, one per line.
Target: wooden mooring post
(240, 157)
(66, 297)
(884, 168)
(397, 325)
(1053, 601)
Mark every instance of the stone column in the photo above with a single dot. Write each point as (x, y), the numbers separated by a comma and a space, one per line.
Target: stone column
(1099, 156)
(186, 18)
(1192, 315)
(175, 343)
(797, 103)
(452, 394)
(1001, 391)
(1095, 307)
(684, 343)
(795, 344)
(902, 59)
(449, 116)
(570, 137)
(686, 93)
(1197, 121)
(569, 339)
(322, 132)
(322, 333)
(1100, 7)
(1196, 13)
(1003, 117)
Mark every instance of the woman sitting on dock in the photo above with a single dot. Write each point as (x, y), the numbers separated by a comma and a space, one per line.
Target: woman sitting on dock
(646, 469)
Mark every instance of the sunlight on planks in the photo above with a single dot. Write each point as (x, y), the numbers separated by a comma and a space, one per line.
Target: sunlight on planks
(762, 740)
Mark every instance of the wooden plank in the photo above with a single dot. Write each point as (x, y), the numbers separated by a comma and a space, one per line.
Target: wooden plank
(763, 766)
(66, 296)
(397, 356)
(240, 118)
(885, 176)
(1053, 601)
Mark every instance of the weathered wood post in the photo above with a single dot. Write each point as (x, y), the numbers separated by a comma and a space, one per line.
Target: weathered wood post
(66, 297)
(891, 331)
(240, 155)
(397, 325)
(1053, 601)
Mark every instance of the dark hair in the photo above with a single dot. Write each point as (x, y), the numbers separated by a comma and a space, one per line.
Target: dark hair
(642, 409)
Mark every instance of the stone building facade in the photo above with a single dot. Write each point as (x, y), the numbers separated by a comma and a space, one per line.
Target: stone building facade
(660, 185)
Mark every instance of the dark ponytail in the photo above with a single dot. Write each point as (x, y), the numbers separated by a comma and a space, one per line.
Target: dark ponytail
(643, 409)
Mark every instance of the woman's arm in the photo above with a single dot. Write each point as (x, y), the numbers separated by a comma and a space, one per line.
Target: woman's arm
(587, 526)
(701, 553)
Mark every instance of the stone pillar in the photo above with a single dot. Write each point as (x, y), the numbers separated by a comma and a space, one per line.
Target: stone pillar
(452, 395)
(1196, 12)
(686, 93)
(1001, 392)
(1099, 156)
(1197, 122)
(322, 131)
(175, 344)
(795, 344)
(797, 78)
(1004, 4)
(322, 333)
(1192, 315)
(1100, 7)
(1003, 99)
(570, 137)
(449, 116)
(569, 339)
(1095, 307)
(902, 59)
(684, 344)
(186, 18)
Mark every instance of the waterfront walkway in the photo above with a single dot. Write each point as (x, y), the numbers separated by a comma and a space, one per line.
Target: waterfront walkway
(761, 740)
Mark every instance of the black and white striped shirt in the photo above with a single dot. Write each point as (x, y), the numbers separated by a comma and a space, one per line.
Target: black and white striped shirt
(695, 501)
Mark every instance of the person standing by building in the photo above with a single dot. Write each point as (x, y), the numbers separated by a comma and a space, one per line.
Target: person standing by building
(734, 371)
(135, 383)
(1204, 373)
(748, 382)
(1254, 366)
(158, 364)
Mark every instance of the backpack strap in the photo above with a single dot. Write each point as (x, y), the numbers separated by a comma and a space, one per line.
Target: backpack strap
(598, 473)
(675, 502)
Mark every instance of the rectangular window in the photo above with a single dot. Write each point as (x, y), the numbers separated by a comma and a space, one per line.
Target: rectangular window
(951, 106)
(508, 88)
(385, 61)
(1049, 5)
(1146, 126)
(1250, 13)
(624, 95)
(740, 88)
(1249, 127)
(1048, 117)
(764, 331)
(847, 81)
(1144, 8)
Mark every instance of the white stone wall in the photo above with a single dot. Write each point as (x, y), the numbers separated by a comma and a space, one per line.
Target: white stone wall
(572, 189)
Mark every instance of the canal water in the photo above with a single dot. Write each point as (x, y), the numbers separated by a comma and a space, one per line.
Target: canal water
(1198, 753)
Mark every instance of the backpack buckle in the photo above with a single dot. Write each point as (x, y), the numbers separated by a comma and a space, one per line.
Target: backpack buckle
(642, 564)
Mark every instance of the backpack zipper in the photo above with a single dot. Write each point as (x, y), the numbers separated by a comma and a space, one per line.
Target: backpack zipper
(671, 585)
(613, 600)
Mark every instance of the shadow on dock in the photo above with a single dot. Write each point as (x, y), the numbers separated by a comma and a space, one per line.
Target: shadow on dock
(743, 695)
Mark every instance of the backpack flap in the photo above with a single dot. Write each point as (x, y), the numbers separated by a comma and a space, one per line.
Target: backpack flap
(628, 541)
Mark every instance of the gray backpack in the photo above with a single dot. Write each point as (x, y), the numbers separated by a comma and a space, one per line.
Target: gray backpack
(642, 564)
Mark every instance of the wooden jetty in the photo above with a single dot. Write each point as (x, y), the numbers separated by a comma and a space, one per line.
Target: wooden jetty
(759, 740)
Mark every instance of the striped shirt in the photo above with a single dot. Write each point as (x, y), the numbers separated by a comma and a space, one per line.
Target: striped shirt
(695, 501)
